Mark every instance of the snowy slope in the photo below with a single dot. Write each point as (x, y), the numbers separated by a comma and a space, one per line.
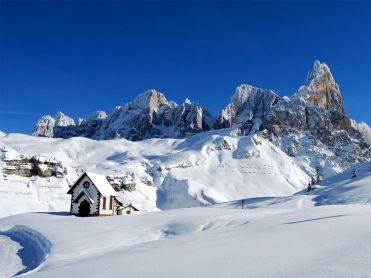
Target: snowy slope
(204, 169)
(339, 189)
(197, 242)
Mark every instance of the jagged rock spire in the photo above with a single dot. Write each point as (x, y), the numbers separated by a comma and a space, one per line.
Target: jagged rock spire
(321, 90)
(44, 127)
(63, 120)
(246, 104)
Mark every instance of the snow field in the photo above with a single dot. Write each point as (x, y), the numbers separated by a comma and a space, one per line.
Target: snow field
(326, 241)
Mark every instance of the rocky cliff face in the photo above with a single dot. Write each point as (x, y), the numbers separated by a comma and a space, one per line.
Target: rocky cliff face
(26, 165)
(44, 127)
(321, 89)
(249, 105)
(151, 115)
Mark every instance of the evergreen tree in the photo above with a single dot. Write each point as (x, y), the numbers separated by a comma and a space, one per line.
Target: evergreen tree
(354, 173)
(313, 181)
(318, 174)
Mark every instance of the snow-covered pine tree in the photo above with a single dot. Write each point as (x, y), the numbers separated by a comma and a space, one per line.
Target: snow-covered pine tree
(354, 173)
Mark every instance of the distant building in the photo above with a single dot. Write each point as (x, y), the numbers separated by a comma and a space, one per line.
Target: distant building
(127, 209)
(92, 194)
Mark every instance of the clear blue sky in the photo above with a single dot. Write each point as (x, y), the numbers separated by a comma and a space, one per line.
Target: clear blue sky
(78, 57)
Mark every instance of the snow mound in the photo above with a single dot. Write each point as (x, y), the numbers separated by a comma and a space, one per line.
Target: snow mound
(34, 248)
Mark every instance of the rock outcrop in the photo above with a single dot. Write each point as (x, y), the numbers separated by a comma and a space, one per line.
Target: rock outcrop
(32, 165)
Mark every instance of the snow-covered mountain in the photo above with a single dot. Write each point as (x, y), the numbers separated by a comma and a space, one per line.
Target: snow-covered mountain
(149, 115)
(311, 125)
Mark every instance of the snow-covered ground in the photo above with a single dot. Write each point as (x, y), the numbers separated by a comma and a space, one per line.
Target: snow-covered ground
(322, 233)
(327, 241)
(203, 169)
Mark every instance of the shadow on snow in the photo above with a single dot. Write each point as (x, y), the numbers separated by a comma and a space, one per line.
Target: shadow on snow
(35, 247)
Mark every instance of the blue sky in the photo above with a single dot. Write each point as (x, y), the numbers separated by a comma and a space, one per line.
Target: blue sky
(79, 57)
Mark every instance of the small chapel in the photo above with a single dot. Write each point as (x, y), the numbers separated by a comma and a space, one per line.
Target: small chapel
(93, 195)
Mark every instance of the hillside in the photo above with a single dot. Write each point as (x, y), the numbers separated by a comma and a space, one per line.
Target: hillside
(339, 189)
(154, 174)
(271, 237)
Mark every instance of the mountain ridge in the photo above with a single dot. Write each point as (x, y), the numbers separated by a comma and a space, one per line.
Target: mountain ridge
(312, 120)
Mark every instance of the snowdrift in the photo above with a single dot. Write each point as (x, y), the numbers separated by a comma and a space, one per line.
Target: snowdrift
(31, 253)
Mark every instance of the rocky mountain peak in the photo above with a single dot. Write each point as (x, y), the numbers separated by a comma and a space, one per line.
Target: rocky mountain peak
(80, 121)
(97, 115)
(247, 103)
(321, 90)
(44, 127)
(151, 99)
(187, 101)
(63, 120)
(320, 71)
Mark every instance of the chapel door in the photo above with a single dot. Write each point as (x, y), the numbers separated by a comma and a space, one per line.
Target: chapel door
(84, 208)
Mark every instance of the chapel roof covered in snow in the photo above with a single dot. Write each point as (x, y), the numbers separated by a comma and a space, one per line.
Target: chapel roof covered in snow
(100, 182)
